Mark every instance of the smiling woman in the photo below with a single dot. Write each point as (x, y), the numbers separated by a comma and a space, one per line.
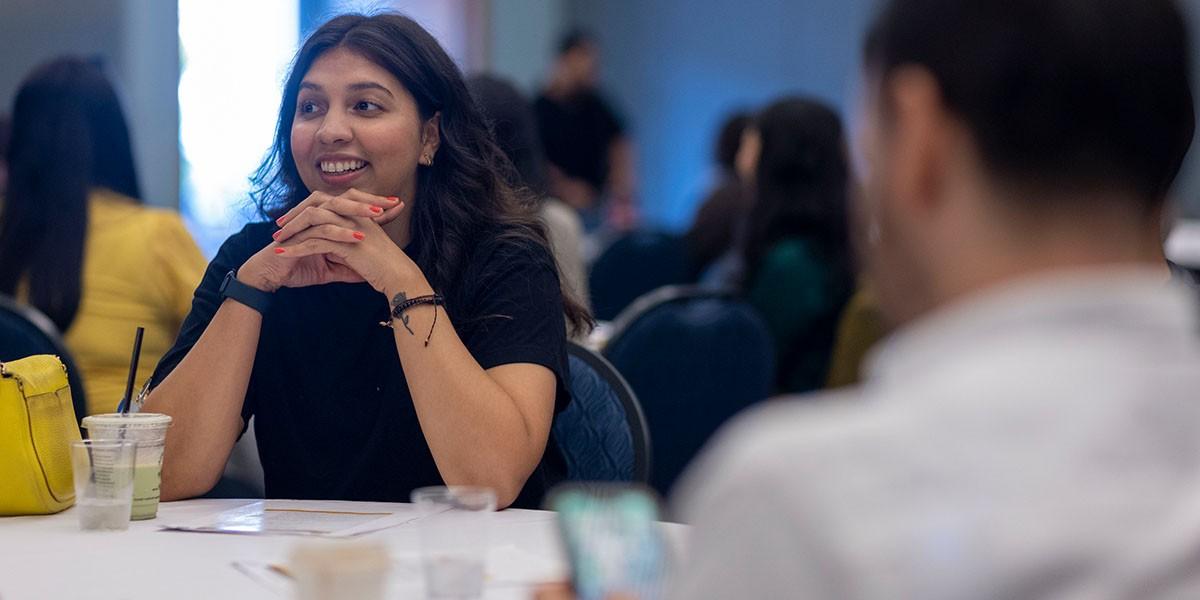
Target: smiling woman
(344, 96)
(390, 205)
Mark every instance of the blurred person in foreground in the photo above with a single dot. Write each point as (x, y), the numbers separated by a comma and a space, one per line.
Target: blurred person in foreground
(724, 209)
(76, 241)
(513, 126)
(590, 156)
(795, 251)
(1032, 430)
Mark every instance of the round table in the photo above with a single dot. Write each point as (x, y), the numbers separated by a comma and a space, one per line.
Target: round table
(49, 557)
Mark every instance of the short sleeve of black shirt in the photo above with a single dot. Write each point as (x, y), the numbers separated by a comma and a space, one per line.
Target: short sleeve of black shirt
(334, 416)
(207, 299)
(513, 310)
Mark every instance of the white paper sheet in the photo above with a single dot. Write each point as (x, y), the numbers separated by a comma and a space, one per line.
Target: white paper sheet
(273, 517)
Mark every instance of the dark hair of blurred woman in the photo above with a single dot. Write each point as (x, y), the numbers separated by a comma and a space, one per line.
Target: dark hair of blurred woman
(800, 184)
(796, 249)
(69, 135)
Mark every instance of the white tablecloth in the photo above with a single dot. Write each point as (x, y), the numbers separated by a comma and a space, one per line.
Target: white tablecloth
(48, 557)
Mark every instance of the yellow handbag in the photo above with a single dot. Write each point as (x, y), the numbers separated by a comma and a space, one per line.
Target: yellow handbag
(37, 426)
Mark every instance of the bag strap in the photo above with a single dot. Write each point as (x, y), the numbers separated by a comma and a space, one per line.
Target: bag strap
(37, 374)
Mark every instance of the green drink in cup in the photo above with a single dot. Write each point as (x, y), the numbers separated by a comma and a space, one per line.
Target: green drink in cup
(149, 430)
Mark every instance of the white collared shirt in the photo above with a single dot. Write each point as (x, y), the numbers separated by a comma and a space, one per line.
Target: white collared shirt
(1036, 441)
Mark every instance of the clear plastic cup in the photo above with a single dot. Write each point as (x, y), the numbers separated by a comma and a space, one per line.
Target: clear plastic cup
(454, 539)
(103, 471)
(149, 430)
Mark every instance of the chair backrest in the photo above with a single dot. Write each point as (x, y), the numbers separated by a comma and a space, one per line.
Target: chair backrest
(602, 433)
(694, 357)
(632, 265)
(25, 331)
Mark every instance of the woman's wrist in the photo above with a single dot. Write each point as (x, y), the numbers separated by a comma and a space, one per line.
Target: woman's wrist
(408, 285)
(252, 277)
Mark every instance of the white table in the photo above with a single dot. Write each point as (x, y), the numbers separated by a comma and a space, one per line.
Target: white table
(49, 557)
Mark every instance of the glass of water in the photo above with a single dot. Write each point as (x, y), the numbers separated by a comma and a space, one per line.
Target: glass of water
(103, 482)
(454, 539)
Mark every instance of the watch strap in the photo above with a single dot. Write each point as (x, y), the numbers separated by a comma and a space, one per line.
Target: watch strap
(250, 296)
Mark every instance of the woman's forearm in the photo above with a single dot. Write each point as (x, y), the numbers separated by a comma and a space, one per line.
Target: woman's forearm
(478, 433)
(204, 395)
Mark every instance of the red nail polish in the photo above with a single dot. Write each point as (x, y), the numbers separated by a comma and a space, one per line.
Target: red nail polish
(393, 198)
(358, 235)
(377, 210)
(276, 235)
(280, 220)
(279, 251)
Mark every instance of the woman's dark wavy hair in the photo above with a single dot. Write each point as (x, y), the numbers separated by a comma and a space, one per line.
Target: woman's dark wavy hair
(464, 198)
(801, 186)
(69, 135)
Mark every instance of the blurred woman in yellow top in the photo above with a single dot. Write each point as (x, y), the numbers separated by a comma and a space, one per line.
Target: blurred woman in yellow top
(76, 241)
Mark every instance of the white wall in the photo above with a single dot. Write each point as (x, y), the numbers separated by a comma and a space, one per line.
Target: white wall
(136, 39)
(149, 62)
(523, 38)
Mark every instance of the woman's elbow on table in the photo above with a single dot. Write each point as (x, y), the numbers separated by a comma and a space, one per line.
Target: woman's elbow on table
(183, 484)
(507, 486)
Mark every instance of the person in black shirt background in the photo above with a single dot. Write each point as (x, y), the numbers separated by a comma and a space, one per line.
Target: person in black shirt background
(391, 208)
(590, 157)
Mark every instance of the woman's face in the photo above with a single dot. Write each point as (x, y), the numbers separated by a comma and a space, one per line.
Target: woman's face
(357, 126)
(749, 151)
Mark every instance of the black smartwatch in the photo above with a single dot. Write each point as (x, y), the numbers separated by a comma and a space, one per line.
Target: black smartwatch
(252, 297)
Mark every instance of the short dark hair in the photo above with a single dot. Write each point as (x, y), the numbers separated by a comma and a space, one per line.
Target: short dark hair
(1077, 95)
(573, 39)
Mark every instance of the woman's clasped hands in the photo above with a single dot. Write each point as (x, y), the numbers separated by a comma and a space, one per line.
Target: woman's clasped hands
(330, 239)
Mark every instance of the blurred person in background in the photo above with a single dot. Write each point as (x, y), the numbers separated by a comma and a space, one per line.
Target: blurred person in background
(796, 257)
(513, 126)
(726, 206)
(1031, 430)
(861, 325)
(590, 156)
(77, 243)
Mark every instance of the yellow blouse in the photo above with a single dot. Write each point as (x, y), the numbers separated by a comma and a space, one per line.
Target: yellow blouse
(140, 267)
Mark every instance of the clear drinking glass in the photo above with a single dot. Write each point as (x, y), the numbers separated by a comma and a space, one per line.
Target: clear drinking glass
(149, 430)
(103, 482)
(454, 539)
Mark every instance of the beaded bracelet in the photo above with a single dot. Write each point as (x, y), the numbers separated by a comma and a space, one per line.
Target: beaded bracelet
(402, 304)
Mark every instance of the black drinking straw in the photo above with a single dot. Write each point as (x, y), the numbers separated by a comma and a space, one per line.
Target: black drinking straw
(133, 365)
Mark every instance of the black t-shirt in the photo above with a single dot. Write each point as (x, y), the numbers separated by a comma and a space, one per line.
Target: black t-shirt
(334, 415)
(577, 132)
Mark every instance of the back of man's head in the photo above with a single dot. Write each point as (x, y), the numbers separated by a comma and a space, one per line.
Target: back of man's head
(575, 39)
(1062, 96)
